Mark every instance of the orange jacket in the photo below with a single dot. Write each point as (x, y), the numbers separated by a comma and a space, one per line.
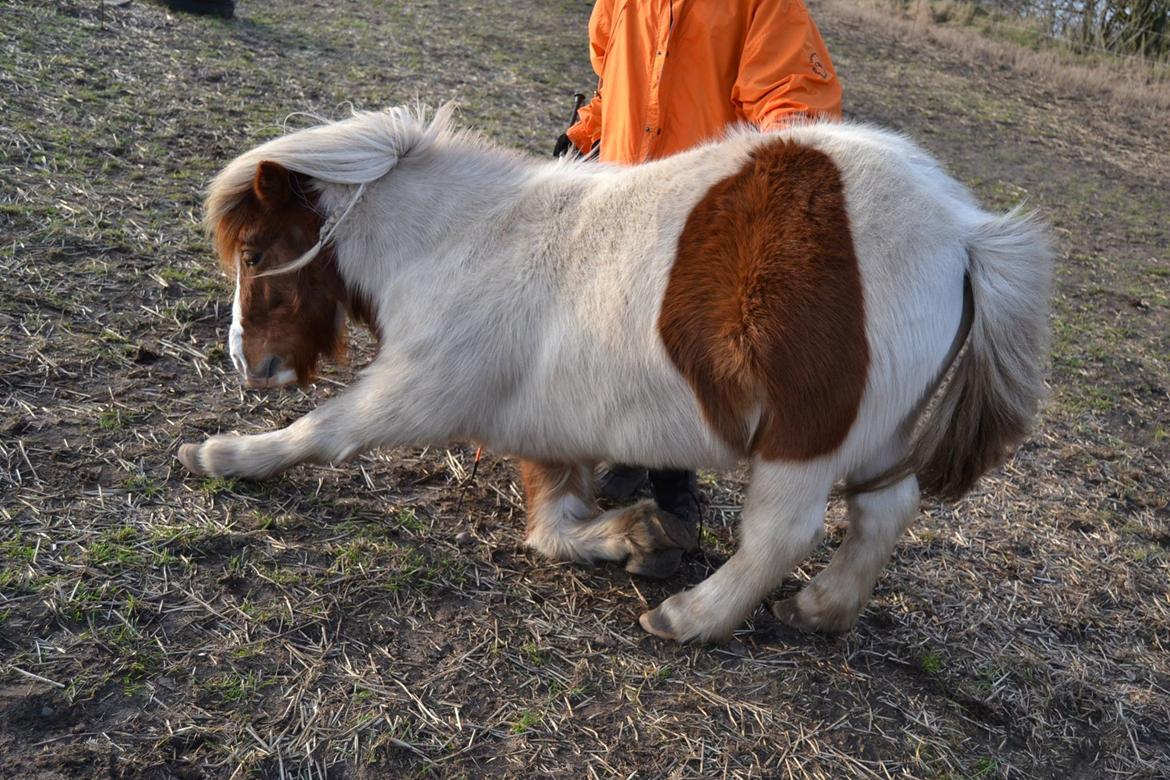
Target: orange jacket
(674, 73)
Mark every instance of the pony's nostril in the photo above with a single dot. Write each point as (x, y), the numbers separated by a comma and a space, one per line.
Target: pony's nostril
(270, 372)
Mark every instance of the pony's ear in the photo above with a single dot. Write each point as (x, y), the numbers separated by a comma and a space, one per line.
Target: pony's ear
(272, 184)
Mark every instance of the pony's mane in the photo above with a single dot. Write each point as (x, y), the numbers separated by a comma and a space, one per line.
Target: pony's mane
(354, 151)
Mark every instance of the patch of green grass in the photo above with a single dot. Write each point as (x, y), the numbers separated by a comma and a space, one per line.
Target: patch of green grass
(408, 519)
(709, 540)
(1145, 553)
(89, 682)
(1085, 398)
(254, 650)
(235, 688)
(264, 521)
(282, 575)
(536, 655)
(407, 572)
(237, 564)
(196, 279)
(82, 601)
(527, 720)
(358, 554)
(217, 485)
(111, 419)
(983, 767)
(143, 486)
(113, 547)
(18, 551)
(261, 613)
(932, 663)
(22, 580)
(138, 663)
(181, 537)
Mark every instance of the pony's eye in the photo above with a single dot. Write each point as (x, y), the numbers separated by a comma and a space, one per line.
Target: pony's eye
(251, 258)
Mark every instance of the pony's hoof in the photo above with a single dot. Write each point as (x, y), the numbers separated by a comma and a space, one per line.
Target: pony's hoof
(188, 455)
(656, 540)
(656, 623)
(648, 530)
(656, 564)
(790, 614)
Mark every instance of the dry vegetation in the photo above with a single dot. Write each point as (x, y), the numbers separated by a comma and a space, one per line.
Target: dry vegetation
(1124, 82)
(382, 619)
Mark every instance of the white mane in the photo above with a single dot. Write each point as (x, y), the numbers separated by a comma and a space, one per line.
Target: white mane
(353, 151)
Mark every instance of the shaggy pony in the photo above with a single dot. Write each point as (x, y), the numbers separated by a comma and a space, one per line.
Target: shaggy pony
(790, 298)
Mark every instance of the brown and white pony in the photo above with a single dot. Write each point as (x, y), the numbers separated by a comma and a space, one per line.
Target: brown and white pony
(791, 298)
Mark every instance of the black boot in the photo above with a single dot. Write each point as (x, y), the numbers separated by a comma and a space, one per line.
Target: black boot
(677, 492)
(618, 483)
(224, 8)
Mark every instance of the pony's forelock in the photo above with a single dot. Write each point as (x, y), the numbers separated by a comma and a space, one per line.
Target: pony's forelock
(353, 151)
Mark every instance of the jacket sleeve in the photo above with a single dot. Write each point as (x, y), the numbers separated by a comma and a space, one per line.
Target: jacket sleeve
(587, 130)
(785, 68)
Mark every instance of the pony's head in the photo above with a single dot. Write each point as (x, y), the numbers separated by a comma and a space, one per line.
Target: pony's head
(283, 322)
(265, 212)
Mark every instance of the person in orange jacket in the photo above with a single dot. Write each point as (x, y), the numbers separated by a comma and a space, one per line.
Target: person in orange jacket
(675, 73)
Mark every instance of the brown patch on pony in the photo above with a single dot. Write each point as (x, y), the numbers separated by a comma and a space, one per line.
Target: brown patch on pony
(290, 315)
(764, 306)
(546, 483)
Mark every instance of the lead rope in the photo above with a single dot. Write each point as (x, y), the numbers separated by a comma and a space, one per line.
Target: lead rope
(328, 229)
(469, 479)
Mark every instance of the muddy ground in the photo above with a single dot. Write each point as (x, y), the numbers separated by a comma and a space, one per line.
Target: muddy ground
(382, 619)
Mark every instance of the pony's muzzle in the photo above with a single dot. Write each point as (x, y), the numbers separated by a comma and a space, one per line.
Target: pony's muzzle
(271, 372)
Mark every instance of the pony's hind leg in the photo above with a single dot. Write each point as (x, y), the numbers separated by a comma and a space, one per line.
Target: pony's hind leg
(783, 518)
(563, 523)
(836, 596)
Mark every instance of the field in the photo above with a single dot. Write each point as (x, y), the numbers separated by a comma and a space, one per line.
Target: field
(382, 619)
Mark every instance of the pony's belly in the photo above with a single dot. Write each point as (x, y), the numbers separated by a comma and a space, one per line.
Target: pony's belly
(643, 437)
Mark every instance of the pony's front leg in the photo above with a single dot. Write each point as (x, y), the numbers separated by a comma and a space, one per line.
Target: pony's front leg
(563, 523)
(337, 430)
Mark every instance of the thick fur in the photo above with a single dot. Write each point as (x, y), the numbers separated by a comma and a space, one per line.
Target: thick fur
(988, 405)
(764, 311)
(519, 304)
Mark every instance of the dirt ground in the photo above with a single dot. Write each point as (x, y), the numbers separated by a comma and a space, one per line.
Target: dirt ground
(382, 619)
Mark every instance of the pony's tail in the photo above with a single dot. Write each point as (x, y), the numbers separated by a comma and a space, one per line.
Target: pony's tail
(997, 383)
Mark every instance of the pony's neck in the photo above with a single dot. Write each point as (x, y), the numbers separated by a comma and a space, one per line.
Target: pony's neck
(422, 207)
(362, 310)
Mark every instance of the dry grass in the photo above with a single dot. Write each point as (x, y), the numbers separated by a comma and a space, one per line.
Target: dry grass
(1127, 82)
(382, 619)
